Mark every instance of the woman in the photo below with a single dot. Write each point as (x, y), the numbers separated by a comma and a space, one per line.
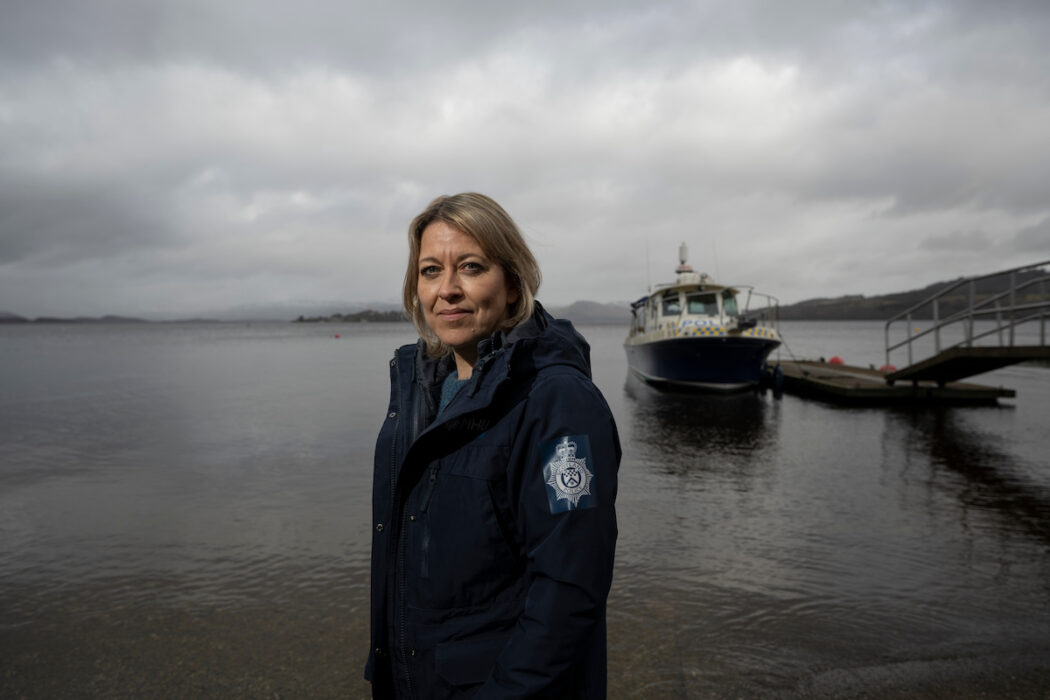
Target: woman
(495, 479)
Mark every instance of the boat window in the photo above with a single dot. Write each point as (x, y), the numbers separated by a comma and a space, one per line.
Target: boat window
(671, 305)
(702, 304)
(729, 302)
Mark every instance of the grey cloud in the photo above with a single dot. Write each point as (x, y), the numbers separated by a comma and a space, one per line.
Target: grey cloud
(957, 241)
(58, 223)
(272, 35)
(268, 35)
(1034, 238)
(263, 148)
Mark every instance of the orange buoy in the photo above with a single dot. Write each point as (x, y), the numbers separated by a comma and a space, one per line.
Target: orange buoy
(836, 360)
(888, 368)
(336, 335)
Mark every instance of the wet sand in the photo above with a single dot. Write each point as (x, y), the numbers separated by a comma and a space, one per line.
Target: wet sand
(309, 650)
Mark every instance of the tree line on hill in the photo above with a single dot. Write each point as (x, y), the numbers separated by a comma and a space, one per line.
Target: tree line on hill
(367, 316)
(8, 317)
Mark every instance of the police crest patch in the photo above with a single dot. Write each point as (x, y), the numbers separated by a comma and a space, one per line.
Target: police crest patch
(567, 474)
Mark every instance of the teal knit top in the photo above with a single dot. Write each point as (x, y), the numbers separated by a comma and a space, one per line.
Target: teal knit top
(450, 388)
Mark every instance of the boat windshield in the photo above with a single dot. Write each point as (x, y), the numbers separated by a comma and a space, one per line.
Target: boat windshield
(702, 304)
(671, 305)
(729, 303)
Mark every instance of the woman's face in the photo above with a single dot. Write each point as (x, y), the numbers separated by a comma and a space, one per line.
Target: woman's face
(464, 294)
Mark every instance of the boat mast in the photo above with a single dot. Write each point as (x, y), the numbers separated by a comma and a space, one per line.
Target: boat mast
(648, 281)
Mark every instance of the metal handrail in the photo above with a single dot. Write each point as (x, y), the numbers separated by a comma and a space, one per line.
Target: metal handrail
(975, 310)
(770, 314)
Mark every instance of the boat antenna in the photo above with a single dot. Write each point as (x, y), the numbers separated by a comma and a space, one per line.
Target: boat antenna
(648, 283)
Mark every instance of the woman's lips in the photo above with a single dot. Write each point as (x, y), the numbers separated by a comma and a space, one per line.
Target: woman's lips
(452, 314)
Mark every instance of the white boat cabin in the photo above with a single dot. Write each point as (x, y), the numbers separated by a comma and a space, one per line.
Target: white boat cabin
(704, 302)
(696, 303)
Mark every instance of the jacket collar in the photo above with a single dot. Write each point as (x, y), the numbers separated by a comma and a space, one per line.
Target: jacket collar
(430, 371)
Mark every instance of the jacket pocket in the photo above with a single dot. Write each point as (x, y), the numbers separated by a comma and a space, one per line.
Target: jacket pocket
(479, 461)
(467, 661)
(459, 544)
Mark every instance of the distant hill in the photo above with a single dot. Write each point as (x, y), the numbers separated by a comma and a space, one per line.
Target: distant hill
(853, 307)
(857, 307)
(844, 308)
(584, 313)
(580, 313)
(91, 319)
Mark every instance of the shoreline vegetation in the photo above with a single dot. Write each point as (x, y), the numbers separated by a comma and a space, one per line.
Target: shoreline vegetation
(367, 316)
(8, 317)
(850, 307)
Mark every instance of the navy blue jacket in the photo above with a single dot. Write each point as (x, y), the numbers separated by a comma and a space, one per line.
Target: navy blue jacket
(494, 526)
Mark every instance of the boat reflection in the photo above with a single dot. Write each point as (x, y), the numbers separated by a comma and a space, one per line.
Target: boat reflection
(678, 431)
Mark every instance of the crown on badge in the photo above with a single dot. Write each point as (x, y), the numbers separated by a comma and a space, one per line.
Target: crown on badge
(566, 449)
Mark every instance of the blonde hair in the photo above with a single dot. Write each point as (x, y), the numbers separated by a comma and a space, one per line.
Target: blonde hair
(485, 221)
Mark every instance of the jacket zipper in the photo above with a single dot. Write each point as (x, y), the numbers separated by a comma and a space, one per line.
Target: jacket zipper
(397, 426)
(425, 565)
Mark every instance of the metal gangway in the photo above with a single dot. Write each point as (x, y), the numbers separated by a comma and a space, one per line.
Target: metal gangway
(997, 325)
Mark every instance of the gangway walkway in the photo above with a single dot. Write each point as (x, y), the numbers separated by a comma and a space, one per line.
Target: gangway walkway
(991, 313)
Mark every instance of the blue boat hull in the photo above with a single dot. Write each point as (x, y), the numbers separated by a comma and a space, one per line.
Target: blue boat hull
(724, 363)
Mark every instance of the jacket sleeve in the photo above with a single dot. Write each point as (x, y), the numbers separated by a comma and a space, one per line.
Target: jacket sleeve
(567, 533)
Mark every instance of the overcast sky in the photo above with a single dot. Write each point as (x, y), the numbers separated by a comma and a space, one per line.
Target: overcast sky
(185, 156)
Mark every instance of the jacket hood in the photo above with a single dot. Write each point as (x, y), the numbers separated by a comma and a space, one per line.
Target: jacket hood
(539, 342)
(507, 359)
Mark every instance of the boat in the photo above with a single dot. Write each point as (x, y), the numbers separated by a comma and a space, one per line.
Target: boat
(700, 334)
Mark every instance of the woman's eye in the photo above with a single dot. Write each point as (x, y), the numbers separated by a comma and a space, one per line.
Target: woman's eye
(429, 271)
(473, 267)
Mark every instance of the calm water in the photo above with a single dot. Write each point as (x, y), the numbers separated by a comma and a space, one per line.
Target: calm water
(184, 513)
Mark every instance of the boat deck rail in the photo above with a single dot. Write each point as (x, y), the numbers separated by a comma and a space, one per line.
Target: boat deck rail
(768, 315)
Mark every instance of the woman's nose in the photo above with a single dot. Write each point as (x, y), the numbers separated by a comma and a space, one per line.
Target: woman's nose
(449, 288)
